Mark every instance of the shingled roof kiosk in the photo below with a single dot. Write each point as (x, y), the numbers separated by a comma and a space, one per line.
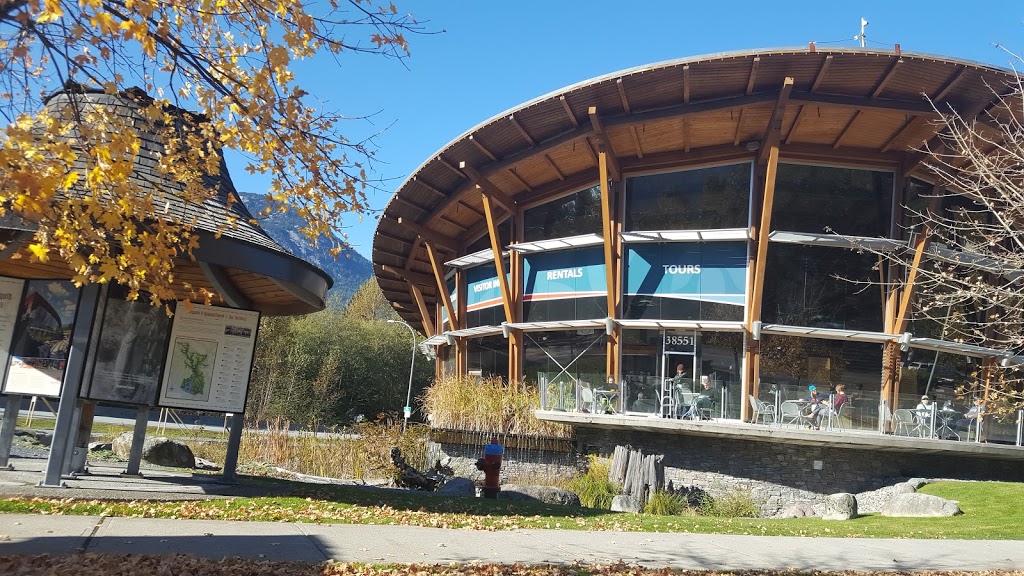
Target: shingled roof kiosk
(90, 345)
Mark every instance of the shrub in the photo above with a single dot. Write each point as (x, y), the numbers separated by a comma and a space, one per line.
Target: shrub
(489, 405)
(665, 503)
(735, 504)
(594, 488)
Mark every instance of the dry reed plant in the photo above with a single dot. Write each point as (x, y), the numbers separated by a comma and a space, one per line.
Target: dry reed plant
(361, 453)
(490, 405)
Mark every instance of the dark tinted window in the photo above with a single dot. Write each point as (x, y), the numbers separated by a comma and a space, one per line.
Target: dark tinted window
(822, 199)
(716, 197)
(571, 215)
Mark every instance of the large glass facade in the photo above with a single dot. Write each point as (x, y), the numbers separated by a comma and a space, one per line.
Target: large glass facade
(569, 367)
(822, 288)
(487, 356)
(702, 198)
(789, 364)
(483, 296)
(824, 199)
(565, 285)
(572, 215)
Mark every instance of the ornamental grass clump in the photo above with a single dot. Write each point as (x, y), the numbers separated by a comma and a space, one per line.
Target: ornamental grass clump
(594, 488)
(665, 503)
(735, 504)
(488, 405)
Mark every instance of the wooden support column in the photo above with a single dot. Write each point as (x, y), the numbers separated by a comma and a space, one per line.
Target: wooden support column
(442, 286)
(609, 227)
(421, 305)
(506, 292)
(515, 337)
(752, 356)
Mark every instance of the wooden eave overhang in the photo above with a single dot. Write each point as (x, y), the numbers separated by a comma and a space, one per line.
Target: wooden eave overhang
(848, 106)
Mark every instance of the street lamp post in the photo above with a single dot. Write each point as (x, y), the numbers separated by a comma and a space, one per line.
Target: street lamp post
(407, 411)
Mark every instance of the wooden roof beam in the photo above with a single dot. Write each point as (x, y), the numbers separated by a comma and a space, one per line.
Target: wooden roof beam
(519, 179)
(554, 167)
(449, 166)
(429, 187)
(410, 258)
(739, 126)
(480, 146)
(636, 141)
(488, 187)
(753, 74)
(622, 95)
(914, 123)
(393, 237)
(229, 292)
(604, 144)
(522, 131)
(442, 286)
(408, 276)
(411, 204)
(846, 129)
(421, 305)
(954, 79)
(796, 123)
(686, 84)
(773, 131)
(568, 111)
(820, 76)
(461, 204)
(429, 235)
(888, 76)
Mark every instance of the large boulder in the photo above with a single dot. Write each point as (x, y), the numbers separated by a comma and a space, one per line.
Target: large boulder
(917, 505)
(627, 503)
(158, 450)
(459, 486)
(798, 510)
(903, 488)
(842, 506)
(545, 494)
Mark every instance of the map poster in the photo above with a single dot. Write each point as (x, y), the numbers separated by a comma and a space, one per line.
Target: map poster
(42, 338)
(130, 352)
(10, 295)
(209, 357)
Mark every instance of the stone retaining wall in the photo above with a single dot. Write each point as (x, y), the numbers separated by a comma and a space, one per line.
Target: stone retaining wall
(779, 474)
(519, 465)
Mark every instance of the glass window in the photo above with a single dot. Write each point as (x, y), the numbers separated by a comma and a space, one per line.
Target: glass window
(716, 197)
(565, 363)
(552, 279)
(789, 364)
(822, 288)
(571, 215)
(487, 356)
(821, 199)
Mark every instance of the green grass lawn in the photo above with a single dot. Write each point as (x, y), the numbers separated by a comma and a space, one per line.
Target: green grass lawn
(991, 511)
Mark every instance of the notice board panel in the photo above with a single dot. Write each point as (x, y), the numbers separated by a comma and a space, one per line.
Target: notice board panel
(209, 358)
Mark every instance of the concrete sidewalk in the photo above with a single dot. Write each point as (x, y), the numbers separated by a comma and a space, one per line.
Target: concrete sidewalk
(34, 534)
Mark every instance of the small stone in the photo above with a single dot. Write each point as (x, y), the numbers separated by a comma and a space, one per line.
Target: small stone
(842, 506)
(626, 503)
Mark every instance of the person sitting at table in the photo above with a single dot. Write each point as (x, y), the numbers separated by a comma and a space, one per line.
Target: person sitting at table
(812, 404)
(826, 407)
(703, 402)
(681, 381)
(976, 411)
(924, 410)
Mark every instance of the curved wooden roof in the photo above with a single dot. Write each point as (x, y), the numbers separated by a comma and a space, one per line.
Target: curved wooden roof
(861, 106)
(243, 265)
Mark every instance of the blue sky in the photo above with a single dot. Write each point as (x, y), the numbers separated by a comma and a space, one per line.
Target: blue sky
(493, 55)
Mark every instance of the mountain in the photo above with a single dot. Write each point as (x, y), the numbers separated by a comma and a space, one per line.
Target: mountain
(349, 270)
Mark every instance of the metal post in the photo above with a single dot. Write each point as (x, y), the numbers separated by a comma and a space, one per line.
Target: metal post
(1020, 426)
(234, 442)
(72, 439)
(407, 410)
(11, 421)
(71, 386)
(138, 442)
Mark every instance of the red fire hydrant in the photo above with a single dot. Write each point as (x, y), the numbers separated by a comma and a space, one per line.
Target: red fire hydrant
(490, 464)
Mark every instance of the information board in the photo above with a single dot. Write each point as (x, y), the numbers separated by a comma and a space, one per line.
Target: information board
(130, 353)
(10, 295)
(41, 339)
(209, 357)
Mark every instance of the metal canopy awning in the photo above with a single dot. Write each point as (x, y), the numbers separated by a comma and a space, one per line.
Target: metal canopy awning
(936, 345)
(828, 333)
(475, 331)
(835, 241)
(978, 261)
(556, 325)
(682, 325)
(558, 243)
(436, 340)
(469, 260)
(711, 235)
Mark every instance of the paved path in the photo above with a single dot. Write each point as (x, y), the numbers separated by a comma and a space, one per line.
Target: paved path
(34, 534)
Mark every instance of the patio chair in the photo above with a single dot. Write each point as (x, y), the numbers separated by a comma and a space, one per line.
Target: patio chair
(834, 419)
(903, 420)
(763, 411)
(586, 399)
(791, 413)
